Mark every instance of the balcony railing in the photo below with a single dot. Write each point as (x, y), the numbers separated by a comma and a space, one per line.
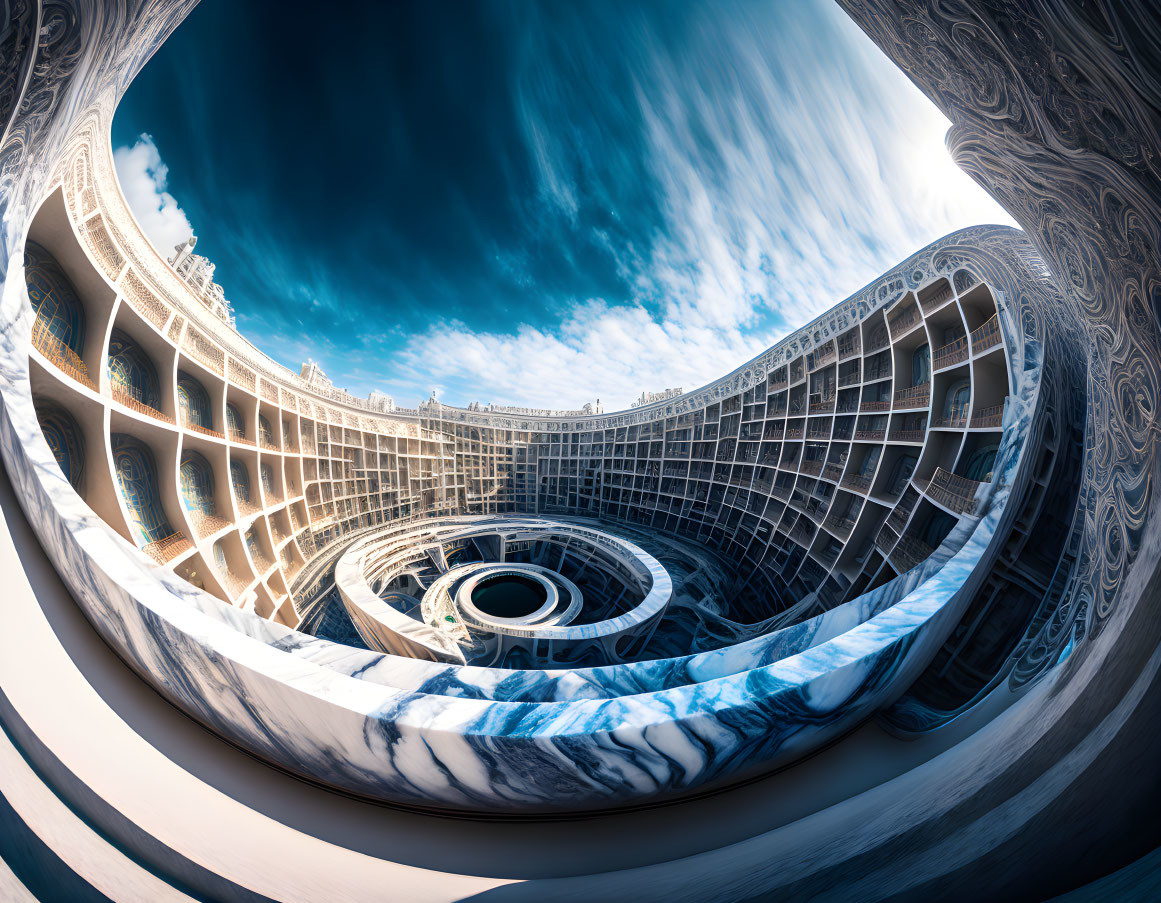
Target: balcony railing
(168, 548)
(956, 419)
(856, 482)
(239, 436)
(833, 472)
(813, 468)
(909, 552)
(883, 405)
(849, 379)
(870, 435)
(898, 519)
(62, 356)
(849, 347)
(952, 353)
(198, 428)
(794, 432)
(952, 491)
(206, 524)
(121, 396)
(913, 397)
(990, 417)
(907, 435)
(987, 336)
(885, 539)
(840, 526)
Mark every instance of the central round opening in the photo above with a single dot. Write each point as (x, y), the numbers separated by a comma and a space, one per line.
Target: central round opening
(508, 595)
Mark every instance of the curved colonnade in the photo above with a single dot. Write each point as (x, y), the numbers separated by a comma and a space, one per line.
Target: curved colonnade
(886, 486)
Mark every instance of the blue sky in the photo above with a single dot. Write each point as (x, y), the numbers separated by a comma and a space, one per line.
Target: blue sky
(534, 203)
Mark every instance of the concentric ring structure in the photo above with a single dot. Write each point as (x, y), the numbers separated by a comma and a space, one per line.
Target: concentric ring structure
(874, 615)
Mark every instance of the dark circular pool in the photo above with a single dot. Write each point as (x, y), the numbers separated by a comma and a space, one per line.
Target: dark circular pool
(508, 595)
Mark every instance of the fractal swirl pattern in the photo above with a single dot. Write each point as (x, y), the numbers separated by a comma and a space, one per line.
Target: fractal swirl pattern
(872, 616)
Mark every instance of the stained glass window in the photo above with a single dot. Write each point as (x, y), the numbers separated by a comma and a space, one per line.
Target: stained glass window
(980, 465)
(136, 473)
(220, 556)
(194, 401)
(53, 297)
(131, 370)
(63, 436)
(240, 477)
(197, 482)
(956, 401)
(234, 420)
(921, 365)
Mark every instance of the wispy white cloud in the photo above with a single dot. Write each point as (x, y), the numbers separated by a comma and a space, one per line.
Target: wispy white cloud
(144, 180)
(791, 163)
(735, 171)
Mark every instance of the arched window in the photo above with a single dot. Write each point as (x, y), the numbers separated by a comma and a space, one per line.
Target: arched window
(252, 544)
(55, 300)
(937, 528)
(267, 479)
(955, 403)
(921, 365)
(234, 422)
(240, 477)
(980, 464)
(870, 462)
(131, 370)
(136, 473)
(197, 482)
(220, 557)
(963, 281)
(194, 401)
(64, 438)
(265, 431)
(901, 473)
